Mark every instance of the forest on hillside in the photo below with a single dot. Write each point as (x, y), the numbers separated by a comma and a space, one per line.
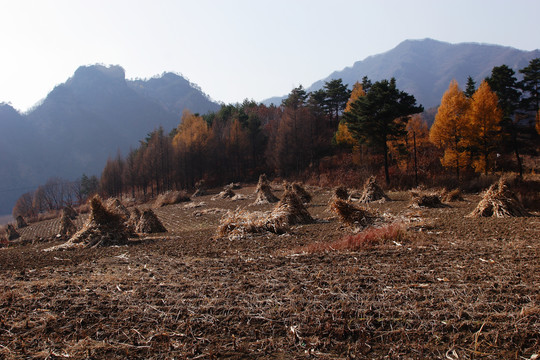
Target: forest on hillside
(330, 136)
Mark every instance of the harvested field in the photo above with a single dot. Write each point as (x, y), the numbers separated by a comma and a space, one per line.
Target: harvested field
(459, 288)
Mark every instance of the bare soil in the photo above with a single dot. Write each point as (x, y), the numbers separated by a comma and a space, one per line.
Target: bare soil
(459, 288)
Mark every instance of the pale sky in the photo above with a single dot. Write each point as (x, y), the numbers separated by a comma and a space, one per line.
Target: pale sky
(234, 49)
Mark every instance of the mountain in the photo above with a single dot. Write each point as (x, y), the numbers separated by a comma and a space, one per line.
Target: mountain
(424, 68)
(174, 93)
(82, 122)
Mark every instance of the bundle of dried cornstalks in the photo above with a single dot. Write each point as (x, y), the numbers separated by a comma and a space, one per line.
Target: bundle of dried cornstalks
(115, 206)
(289, 211)
(302, 193)
(499, 201)
(451, 195)
(11, 232)
(370, 192)
(227, 193)
(67, 227)
(103, 228)
(428, 200)
(149, 223)
(70, 212)
(264, 192)
(21, 223)
(341, 192)
(350, 214)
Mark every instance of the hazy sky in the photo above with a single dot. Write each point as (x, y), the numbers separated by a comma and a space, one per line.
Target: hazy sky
(234, 49)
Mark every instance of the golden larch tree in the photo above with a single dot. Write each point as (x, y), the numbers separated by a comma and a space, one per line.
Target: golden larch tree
(343, 135)
(191, 144)
(483, 134)
(450, 127)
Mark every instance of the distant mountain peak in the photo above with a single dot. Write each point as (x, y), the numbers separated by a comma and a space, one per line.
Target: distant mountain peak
(425, 67)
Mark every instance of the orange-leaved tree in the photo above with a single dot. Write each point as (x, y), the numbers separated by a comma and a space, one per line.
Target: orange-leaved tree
(191, 144)
(343, 136)
(450, 127)
(485, 117)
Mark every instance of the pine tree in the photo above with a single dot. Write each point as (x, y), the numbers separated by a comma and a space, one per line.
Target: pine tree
(531, 85)
(470, 87)
(381, 116)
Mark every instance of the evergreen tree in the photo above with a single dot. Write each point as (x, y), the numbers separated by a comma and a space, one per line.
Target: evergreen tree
(531, 86)
(337, 96)
(380, 116)
(470, 87)
(503, 82)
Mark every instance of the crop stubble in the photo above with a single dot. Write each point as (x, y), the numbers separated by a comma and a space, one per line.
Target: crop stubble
(460, 288)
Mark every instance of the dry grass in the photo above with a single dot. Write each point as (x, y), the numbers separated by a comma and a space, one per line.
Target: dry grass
(171, 198)
(373, 236)
(49, 215)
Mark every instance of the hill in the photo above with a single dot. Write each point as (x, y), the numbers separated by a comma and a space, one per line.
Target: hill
(82, 122)
(425, 67)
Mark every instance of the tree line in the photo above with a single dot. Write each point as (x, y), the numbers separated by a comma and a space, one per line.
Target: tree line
(374, 124)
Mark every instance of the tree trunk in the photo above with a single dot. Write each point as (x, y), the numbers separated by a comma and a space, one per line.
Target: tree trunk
(386, 173)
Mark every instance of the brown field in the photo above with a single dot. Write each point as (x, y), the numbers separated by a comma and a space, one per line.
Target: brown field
(456, 288)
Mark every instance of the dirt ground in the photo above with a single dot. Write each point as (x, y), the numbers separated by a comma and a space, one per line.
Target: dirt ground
(458, 288)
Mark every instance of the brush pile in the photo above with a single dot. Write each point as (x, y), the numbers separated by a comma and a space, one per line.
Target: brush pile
(370, 192)
(21, 223)
(171, 198)
(103, 228)
(149, 223)
(289, 211)
(264, 192)
(499, 201)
